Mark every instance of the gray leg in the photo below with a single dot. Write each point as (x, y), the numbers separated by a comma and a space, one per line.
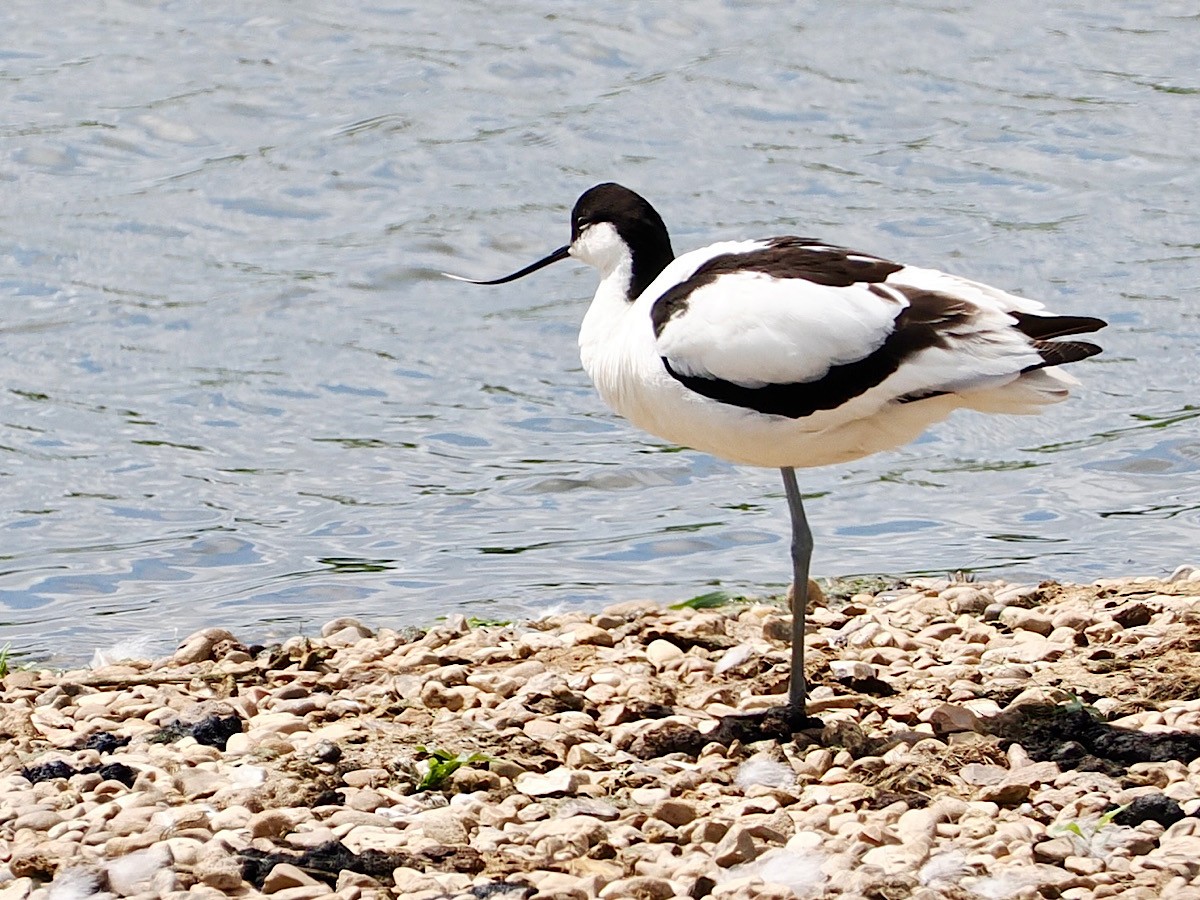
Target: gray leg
(802, 546)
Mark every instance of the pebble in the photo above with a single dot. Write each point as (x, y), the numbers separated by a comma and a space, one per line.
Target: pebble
(1018, 618)
(557, 781)
(737, 846)
(674, 812)
(595, 778)
(661, 652)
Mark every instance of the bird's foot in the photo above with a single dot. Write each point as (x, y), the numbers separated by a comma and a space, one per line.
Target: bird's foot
(778, 723)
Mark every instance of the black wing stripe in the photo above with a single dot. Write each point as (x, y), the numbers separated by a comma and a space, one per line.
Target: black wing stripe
(917, 328)
(784, 258)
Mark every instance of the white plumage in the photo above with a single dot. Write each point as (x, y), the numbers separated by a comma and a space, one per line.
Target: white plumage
(789, 352)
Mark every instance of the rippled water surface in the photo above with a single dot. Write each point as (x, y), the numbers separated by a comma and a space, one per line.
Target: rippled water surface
(236, 392)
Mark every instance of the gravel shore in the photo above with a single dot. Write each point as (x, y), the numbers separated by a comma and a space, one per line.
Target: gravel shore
(979, 739)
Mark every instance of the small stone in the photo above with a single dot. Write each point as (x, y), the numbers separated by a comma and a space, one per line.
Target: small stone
(557, 781)
(218, 869)
(469, 779)
(598, 809)
(559, 886)
(443, 826)
(1132, 615)
(365, 777)
(304, 892)
(347, 637)
(409, 882)
(674, 812)
(131, 820)
(345, 622)
(704, 831)
(1020, 619)
(37, 820)
(851, 670)
(435, 695)
(660, 652)
(1083, 865)
(639, 887)
(587, 829)
(285, 875)
(204, 645)
(1054, 850)
(347, 879)
(964, 599)
(270, 823)
(587, 633)
(737, 846)
(1017, 595)
(982, 775)
(18, 889)
(121, 846)
(1006, 793)
(1033, 773)
(1075, 619)
(184, 850)
(193, 783)
(947, 718)
(580, 756)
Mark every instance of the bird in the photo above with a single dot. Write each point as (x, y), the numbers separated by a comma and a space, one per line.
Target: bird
(789, 352)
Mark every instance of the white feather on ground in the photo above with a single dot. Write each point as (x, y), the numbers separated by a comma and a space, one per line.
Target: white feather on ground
(801, 872)
(77, 884)
(764, 770)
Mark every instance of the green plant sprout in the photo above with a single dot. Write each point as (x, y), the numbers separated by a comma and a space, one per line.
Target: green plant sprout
(1087, 838)
(442, 764)
(711, 600)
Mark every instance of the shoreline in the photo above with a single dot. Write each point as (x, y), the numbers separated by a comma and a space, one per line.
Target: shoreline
(980, 739)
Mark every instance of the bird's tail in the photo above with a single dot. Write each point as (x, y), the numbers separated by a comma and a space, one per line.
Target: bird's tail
(1027, 394)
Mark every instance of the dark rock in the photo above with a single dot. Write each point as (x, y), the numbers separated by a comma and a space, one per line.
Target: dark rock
(328, 798)
(669, 737)
(502, 890)
(104, 742)
(49, 771)
(214, 731)
(1075, 740)
(328, 860)
(1150, 808)
(59, 769)
(116, 772)
(1132, 615)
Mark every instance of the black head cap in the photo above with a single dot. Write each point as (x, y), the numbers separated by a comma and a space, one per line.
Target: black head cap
(636, 221)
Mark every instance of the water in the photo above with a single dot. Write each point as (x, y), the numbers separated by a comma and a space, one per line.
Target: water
(235, 391)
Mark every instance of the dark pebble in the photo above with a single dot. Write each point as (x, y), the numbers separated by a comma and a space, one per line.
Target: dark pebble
(328, 798)
(214, 731)
(104, 742)
(116, 772)
(49, 771)
(1150, 808)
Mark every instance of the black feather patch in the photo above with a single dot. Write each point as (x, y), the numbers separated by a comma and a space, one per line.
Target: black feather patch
(1042, 327)
(917, 327)
(804, 259)
(1059, 353)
